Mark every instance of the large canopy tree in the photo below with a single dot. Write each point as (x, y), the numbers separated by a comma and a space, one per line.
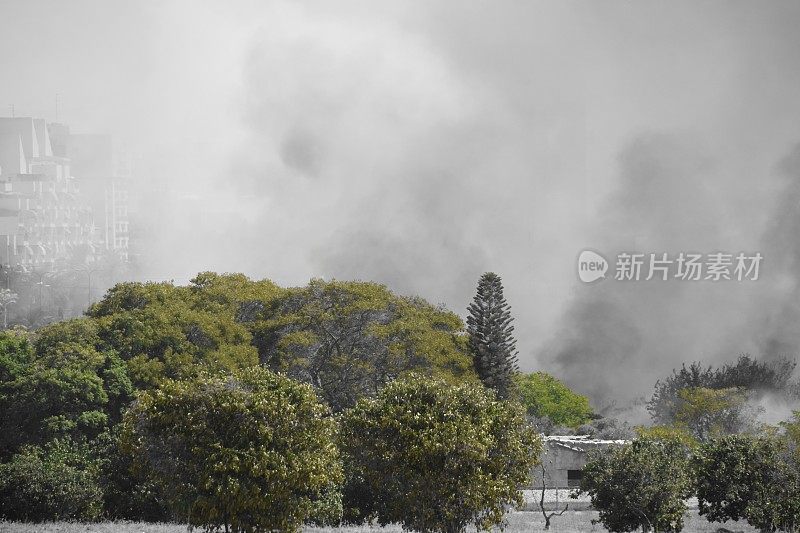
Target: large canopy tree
(347, 339)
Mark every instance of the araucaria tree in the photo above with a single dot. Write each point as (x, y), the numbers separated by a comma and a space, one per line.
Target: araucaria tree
(490, 335)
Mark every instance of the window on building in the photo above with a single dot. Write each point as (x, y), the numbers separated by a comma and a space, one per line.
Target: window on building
(574, 478)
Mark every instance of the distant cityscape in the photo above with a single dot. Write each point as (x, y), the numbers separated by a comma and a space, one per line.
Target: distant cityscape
(63, 196)
(65, 233)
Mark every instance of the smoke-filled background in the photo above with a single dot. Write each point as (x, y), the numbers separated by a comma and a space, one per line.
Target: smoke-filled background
(420, 144)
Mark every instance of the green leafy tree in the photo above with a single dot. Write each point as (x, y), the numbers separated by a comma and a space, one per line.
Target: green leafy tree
(755, 478)
(349, 339)
(746, 374)
(66, 387)
(491, 340)
(668, 433)
(57, 481)
(731, 471)
(776, 505)
(15, 354)
(712, 412)
(434, 457)
(640, 485)
(168, 332)
(249, 452)
(545, 396)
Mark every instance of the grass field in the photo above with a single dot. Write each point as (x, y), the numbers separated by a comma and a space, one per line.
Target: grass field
(570, 522)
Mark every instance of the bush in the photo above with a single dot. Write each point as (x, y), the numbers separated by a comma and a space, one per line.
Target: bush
(253, 450)
(435, 457)
(729, 471)
(746, 374)
(640, 485)
(127, 495)
(748, 477)
(58, 481)
(545, 396)
(776, 506)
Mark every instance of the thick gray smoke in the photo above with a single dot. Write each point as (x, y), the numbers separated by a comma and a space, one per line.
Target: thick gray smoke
(616, 338)
(778, 330)
(420, 144)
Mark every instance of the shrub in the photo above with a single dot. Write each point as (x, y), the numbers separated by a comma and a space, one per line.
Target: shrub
(729, 471)
(776, 506)
(545, 396)
(435, 457)
(252, 451)
(747, 477)
(127, 494)
(57, 481)
(640, 485)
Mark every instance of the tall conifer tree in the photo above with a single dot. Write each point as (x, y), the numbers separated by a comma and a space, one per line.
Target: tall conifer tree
(490, 331)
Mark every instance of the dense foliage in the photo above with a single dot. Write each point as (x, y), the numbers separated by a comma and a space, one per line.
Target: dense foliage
(730, 471)
(347, 339)
(57, 481)
(71, 382)
(252, 451)
(746, 375)
(706, 413)
(434, 457)
(640, 485)
(491, 340)
(751, 478)
(545, 396)
(58, 383)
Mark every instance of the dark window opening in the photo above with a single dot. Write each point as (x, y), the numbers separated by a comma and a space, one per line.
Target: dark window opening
(574, 478)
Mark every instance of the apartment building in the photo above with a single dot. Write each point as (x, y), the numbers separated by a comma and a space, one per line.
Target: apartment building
(102, 175)
(43, 219)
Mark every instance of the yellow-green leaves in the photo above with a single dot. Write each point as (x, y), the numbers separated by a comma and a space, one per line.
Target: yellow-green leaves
(253, 449)
(543, 395)
(435, 457)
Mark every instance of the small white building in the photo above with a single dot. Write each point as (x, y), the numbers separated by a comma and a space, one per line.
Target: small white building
(564, 457)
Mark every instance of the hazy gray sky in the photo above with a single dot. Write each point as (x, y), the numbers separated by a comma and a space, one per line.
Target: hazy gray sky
(422, 143)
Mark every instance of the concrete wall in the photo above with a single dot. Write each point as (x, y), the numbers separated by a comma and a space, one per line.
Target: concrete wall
(557, 462)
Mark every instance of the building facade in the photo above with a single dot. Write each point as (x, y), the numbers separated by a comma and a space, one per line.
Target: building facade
(564, 457)
(63, 197)
(103, 177)
(43, 219)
